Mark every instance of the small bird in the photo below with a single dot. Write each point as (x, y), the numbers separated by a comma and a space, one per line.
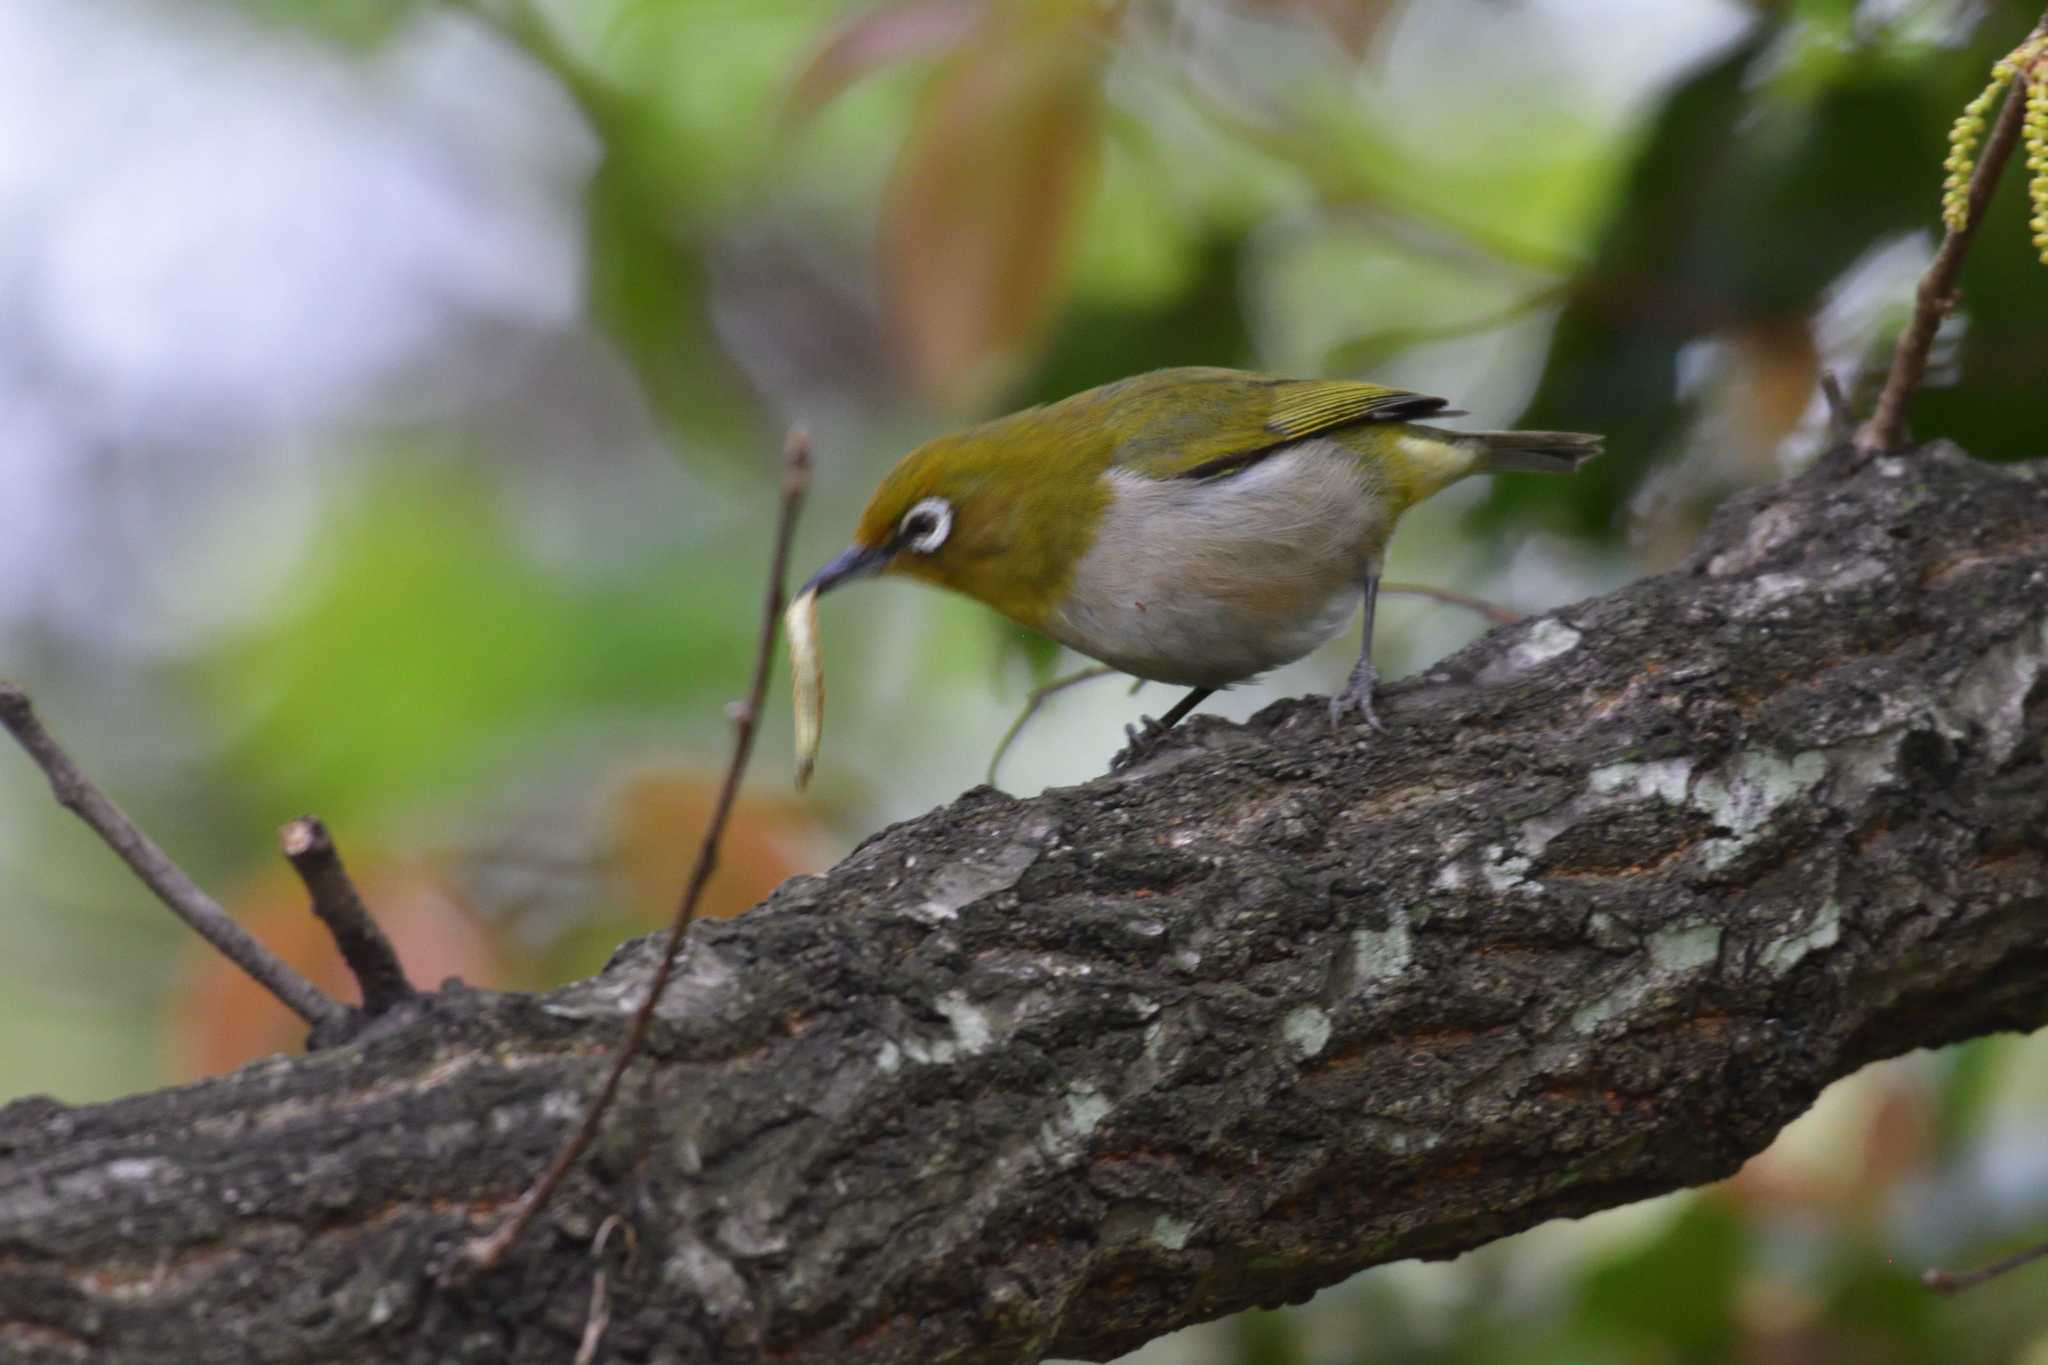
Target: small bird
(1195, 526)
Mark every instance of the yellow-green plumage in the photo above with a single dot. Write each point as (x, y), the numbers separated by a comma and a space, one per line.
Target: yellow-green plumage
(1027, 487)
(1188, 525)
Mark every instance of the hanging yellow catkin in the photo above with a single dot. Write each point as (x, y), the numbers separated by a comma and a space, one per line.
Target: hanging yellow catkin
(2034, 136)
(1963, 138)
(2027, 63)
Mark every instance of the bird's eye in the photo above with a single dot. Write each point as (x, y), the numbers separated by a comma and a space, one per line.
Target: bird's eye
(924, 527)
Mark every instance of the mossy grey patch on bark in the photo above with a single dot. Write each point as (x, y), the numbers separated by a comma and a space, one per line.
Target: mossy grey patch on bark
(1783, 954)
(1307, 1029)
(1380, 954)
(1684, 947)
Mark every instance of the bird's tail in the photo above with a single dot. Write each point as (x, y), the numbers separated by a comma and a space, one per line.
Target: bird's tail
(1535, 452)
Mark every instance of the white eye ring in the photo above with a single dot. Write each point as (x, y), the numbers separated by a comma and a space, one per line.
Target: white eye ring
(926, 526)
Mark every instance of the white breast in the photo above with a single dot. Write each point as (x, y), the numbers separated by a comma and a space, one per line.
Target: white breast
(1207, 583)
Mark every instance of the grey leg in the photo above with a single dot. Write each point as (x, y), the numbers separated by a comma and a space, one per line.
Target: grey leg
(1358, 691)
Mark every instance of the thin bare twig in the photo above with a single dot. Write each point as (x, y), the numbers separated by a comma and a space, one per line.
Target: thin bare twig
(1936, 296)
(1374, 347)
(1841, 417)
(77, 794)
(599, 1316)
(482, 1253)
(1956, 1281)
(1038, 697)
(312, 854)
(1492, 611)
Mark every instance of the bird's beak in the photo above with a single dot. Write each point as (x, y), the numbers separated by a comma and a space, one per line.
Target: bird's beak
(858, 562)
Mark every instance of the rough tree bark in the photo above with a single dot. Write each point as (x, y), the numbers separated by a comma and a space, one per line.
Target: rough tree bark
(1626, 886)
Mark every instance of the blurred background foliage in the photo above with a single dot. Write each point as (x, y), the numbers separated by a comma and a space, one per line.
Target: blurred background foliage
(392, 391)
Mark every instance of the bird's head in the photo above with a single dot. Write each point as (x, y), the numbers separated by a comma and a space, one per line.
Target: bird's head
(991, 513)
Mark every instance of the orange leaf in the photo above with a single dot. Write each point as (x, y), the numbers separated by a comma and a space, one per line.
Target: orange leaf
(1781, 372)
(660, 818)
(221, 1019)
(979, 217)
(877, 38)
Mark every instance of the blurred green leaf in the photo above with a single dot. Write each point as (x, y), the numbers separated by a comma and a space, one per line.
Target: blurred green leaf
(1881, 1311)
(648, 290)
(1679, 1290)
(1262, 1338)
(419, 642)
(1969, 1075)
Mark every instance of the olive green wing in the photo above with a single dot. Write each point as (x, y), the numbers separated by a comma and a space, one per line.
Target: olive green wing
(1199, 424)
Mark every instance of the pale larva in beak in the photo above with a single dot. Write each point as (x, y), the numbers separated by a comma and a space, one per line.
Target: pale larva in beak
(807, 681)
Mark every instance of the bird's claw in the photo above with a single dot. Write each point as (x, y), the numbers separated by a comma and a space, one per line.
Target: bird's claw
(1357, 695)
(1139, 741)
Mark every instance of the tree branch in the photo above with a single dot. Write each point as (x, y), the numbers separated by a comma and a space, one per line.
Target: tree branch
(310, 850)
(1628, 884)
(1956, 1281)
(1492, 611)
(77, 793)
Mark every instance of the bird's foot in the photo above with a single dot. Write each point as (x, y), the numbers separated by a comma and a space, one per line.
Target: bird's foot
(1139, 742)
(1357, 695)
